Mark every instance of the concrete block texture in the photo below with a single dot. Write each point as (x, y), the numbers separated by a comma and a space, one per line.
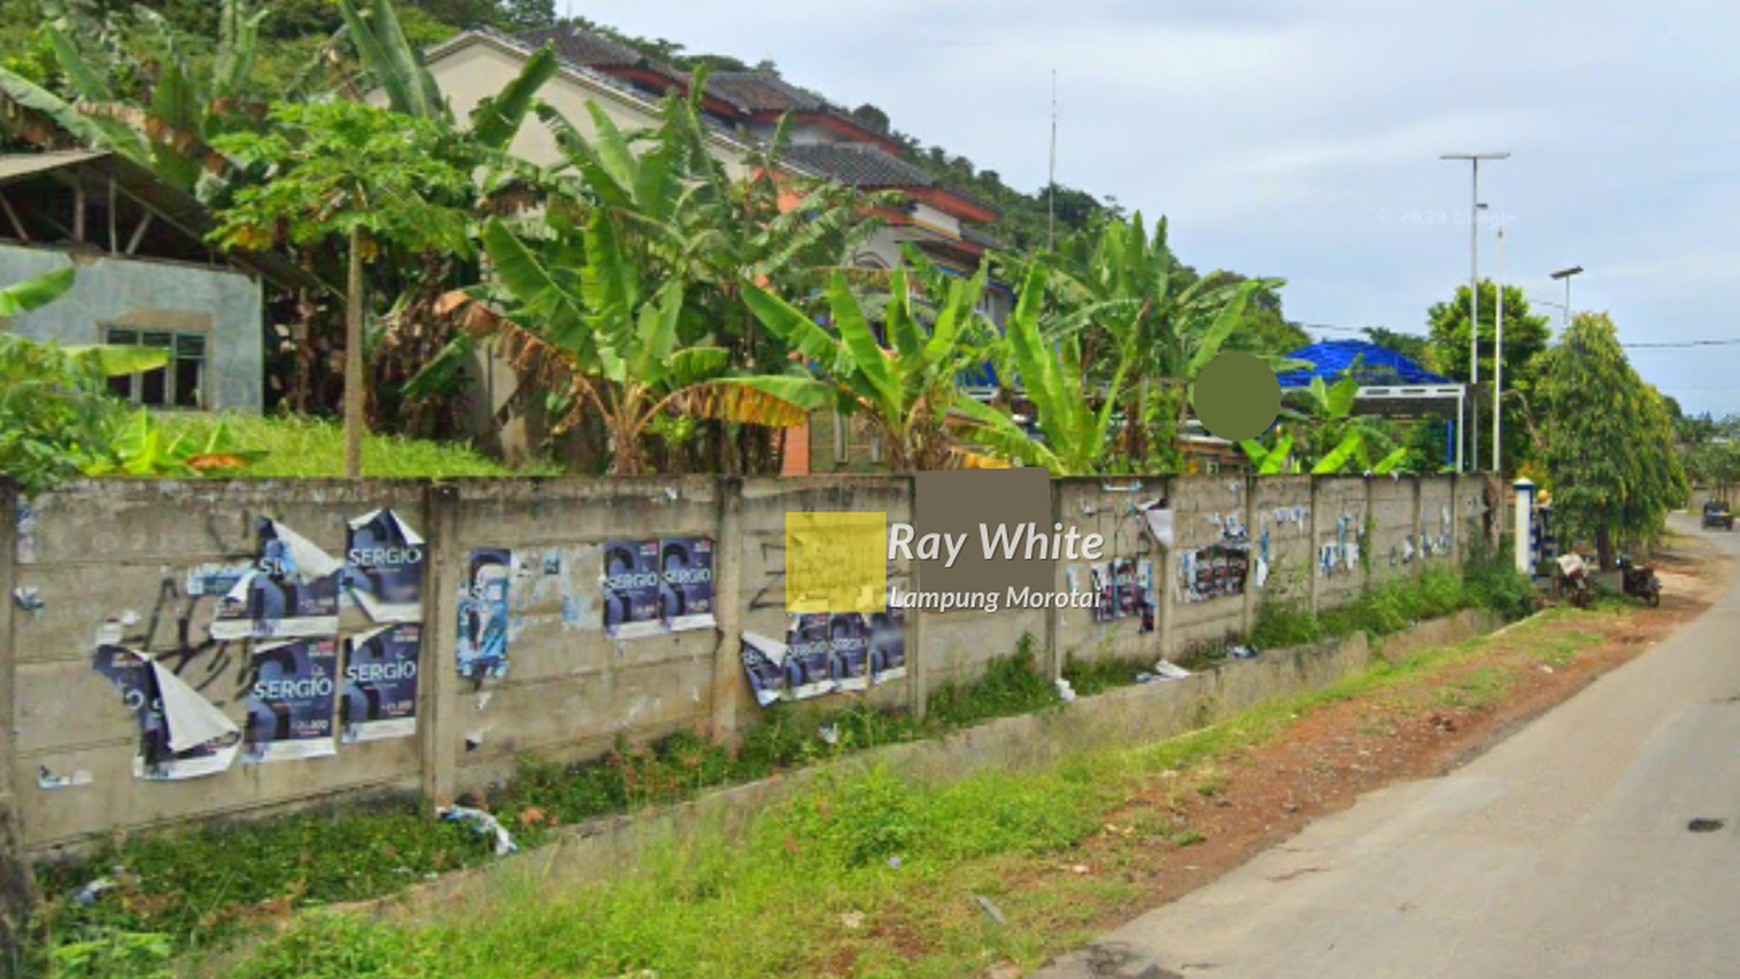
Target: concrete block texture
(118, 562)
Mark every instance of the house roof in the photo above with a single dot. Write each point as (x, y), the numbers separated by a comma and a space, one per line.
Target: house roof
(91, 171)
(859, 165)
(760, 91)
(583, 47)
(1377, 365)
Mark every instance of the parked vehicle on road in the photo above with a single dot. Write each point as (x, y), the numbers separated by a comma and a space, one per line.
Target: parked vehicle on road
(1717, 514)
(1571, 579)
(1639, 581)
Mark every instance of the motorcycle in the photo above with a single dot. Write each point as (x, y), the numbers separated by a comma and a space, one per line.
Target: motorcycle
(1639, 581)
(1571, 576)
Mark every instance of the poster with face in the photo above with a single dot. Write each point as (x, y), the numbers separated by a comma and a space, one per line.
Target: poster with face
(384, 561)
(809, 655)
(483, 614)
(887, 645)
(181, 735)
(849, 649)
(686, 583)
(291, 592)
(631, 589)
(379, 699)
(764, 665)
(291, 703)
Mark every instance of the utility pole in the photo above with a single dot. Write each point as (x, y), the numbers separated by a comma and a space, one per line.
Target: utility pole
(1474, 287)
(1051, 180)
(1498, 366)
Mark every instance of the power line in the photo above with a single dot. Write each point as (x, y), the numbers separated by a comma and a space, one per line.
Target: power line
(1683, 343)
(1660, 345)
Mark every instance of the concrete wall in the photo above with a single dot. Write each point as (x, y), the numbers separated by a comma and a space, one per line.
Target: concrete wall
(222, 304)
(108, 562)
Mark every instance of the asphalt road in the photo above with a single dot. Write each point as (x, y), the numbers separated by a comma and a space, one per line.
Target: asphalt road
(1564, 851)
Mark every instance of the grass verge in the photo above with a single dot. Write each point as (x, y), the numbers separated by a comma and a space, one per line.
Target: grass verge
(870, 875)
(313, 448)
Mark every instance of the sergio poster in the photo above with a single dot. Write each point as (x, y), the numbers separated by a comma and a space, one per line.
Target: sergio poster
(631, 589)
(384, 561)
(686, 583)
(290, 708)
(380, 684)
(483, 614)
(291, 592)
(181, 735)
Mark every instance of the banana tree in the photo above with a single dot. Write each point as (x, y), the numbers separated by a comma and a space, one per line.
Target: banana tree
(909, 388)
(606, 338)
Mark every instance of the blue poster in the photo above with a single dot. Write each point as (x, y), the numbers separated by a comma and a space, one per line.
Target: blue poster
(291, 592)
(686, 586)
(887, 645)
(380, 684)
(291, 705)
(384, 560)
(849, 651)
(764, 665)
(181, 735)
(483, 614)
(809, 655)
(631, 589)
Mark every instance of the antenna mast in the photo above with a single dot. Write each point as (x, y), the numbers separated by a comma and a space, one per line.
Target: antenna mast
(1051, 182)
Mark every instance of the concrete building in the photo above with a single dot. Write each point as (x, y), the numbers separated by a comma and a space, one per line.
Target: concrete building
(145, 276)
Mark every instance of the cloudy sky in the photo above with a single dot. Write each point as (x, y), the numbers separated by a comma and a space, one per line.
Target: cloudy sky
(1301, 139)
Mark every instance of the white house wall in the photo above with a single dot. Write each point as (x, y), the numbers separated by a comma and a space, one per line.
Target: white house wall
(151, 295)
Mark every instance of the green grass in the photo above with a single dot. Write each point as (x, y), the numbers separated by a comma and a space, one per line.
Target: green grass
(312, 448)
(776, 901)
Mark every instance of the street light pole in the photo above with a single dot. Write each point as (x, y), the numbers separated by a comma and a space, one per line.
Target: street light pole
(1565, 275)
(1498, 365)
(1474, 283)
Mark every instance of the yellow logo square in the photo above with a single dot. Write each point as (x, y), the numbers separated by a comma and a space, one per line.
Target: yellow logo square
(836, 562)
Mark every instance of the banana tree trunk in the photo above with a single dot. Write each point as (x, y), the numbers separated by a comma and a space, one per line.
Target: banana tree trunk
(353, 361)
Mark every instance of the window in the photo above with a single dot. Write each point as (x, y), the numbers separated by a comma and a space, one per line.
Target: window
(179, 385)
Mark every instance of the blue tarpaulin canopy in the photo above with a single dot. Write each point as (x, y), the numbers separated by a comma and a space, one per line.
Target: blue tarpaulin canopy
(1378, 366)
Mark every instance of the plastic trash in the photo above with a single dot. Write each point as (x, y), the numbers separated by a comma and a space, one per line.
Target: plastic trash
(1242, 652)
(483, 823)
(829, 733)
(1065, 691)
(93, 891)
(1170, 671)
(1146, 678)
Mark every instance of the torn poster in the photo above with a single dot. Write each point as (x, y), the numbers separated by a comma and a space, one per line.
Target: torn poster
(849, 651)
(764, 665)
(48, 780)
(809, 655)
(1150, 596)
(483, 614)
(291, 593)
(380, 684)
(181, 735)
(686, 583)
(1128, 601)
(216, 580)
(290, 706)
(631, 589)
(1160, 523)
(384, 561)
(1105, 592)
(887, 645)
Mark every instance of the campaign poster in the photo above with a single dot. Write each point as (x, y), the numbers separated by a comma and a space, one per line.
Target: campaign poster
(384, 560)
(380, 684)
(764, 665)
(887, 645)
(290, 593)
(809, 655)
(1145, 585)
(1105, 592)
(291, 704)
(686, 583)
(483, 614)
(1127, 601)
(181, 735)
(849, 651)
(631, 589)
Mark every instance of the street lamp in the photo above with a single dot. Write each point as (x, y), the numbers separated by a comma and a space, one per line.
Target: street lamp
(1474, 283)
(1566, 275)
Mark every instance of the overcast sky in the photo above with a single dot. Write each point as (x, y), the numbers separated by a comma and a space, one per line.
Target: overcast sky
(1301, 139)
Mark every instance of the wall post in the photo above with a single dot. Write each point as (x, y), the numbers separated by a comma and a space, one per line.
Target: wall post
(440, 715)
(17, 886)
(728, 581)
(917, 664)
(1313, 577)
(1254, 534)
(1419, 527)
